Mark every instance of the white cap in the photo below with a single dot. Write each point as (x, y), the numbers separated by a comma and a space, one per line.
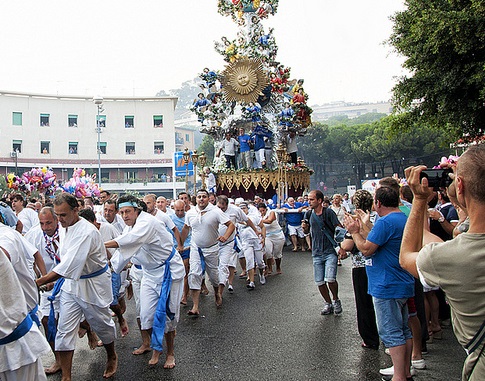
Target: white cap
(270, 201)
(231, 201)
(239, 200)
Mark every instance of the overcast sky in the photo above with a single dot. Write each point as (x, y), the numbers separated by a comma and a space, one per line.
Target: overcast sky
(124, 47)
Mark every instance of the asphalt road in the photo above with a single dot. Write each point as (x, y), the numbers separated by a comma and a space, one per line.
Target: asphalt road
(275, 332)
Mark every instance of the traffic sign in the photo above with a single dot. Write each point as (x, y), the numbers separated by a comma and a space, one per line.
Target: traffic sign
(180, 168)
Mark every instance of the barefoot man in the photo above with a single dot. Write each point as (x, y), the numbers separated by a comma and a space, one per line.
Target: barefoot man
(147, 240)
(203, 221)
(45, 238)
(87, 285)
(109, 232)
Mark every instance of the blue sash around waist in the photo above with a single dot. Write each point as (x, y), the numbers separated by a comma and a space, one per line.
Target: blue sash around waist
(33, 315)
(19, 331)
(96, 273)
(163, 310)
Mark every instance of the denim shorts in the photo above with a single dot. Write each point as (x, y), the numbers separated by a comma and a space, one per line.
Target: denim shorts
(392, 321)
(115, 286)
(325, 268)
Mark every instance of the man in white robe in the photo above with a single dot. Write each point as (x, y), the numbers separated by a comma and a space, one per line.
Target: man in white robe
(147, 240)
(109, 232)
(28, 216)
(204, 221)
(45, 237)
(22, 259)
(227, 250)
(21, 342)
(87, 286)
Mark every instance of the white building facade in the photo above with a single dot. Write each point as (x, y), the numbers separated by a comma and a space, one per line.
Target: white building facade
(136, 139)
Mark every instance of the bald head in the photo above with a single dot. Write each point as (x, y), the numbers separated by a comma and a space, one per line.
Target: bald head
(48, 220)
(179, 208)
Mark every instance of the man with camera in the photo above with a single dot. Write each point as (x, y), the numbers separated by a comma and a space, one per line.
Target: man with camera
(457, 266)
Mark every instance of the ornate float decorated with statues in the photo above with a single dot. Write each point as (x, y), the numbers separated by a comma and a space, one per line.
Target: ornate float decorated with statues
(253, 106)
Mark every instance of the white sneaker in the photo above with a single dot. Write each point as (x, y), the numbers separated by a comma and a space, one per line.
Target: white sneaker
(390, 371)
(251, 286)
(230, 288)
(418, 364)
(337, 307)
(262, 279)
(327, 309)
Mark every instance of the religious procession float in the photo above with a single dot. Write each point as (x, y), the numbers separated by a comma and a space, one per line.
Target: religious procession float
(254, 92)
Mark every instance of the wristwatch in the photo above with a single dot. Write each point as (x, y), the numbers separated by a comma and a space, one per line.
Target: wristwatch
(441, 219)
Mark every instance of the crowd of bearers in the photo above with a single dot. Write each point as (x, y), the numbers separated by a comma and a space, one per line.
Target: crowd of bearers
(86, 257)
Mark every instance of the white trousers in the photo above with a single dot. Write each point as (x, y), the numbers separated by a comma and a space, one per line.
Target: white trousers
(150, 294)
(136, 276)
(227, 258)
(253, 253)
(70, 314)
(45, 304)
(211, 257)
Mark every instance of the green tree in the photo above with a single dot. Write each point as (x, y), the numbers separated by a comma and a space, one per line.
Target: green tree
(207, 146)
(444, 46)
(351, 151)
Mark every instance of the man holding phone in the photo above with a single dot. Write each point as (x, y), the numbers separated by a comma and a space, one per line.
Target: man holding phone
(458, 265)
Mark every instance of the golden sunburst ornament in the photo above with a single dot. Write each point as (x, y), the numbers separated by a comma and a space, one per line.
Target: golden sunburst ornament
(243, 80)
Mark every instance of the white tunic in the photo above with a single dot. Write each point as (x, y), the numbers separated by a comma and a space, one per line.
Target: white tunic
(230, 146)
(205, 225)
(13, 311)
(108, 232)
(236, 215)
(274, 227)
(245, 232)
(211, 181)
(29, 219)
(165, 219)
(82, 252)
(22, 259)
(150, 244)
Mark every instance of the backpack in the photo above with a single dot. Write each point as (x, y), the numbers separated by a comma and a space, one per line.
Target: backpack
(326, 228)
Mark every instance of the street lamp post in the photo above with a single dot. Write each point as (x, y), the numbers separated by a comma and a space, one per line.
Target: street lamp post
(186, 159)
(98, 101)
(15, 155)
(195, 159)
(281, 155)
(202, 161)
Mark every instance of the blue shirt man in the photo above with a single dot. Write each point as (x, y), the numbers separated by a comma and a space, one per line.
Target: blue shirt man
(245, 149)
(389, 284)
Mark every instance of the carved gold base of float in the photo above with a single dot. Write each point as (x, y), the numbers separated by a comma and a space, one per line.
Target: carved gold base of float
(247, 184)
